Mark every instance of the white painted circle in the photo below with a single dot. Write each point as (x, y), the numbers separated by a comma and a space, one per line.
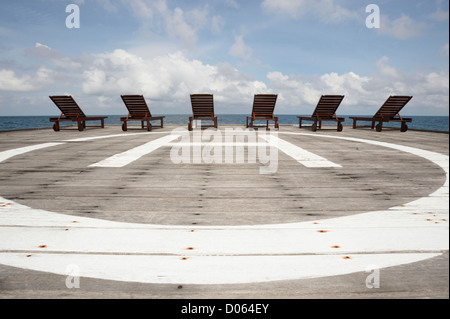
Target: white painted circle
(225, 254)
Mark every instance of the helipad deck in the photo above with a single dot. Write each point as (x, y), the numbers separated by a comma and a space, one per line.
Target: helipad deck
(223, 214)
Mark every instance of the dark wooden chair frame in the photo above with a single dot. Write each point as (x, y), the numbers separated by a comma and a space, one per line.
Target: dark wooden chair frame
(138, 111)
(202, 109)
(388, 112)
(325, 112)
(263, 110)
(70, 111)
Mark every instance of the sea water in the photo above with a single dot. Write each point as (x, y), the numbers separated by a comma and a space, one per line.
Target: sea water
(432, 123)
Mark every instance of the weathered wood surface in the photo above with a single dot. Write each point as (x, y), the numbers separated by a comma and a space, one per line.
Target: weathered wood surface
(154, 190)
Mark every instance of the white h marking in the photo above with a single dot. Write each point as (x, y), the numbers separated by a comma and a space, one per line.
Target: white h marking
(302, 156)
(125, 158)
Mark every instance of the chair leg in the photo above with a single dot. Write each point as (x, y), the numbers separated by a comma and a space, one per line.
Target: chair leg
(124, 126)
(314, 126)
(404, 127)
(80, 126)
(379, 126)
(339, 126)
(56, 126)
(162, 123)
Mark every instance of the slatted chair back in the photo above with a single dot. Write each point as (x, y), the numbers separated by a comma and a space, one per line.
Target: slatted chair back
(67, 106)
(202, 105)
(136, 105)
(327, 106)
(264, 105)
(392, 106)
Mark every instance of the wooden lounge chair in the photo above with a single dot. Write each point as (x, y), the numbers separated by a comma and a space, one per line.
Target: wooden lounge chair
(388, 112)
(263, 107)
(202, 109)
(325, 111)
(138, 111)
(70, 111)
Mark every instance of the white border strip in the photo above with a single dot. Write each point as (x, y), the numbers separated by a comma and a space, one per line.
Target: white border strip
(22, 150)
(301, 155)
(220, 254)
(125, 158)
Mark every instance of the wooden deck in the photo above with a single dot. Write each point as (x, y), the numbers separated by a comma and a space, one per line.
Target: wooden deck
(333, 204)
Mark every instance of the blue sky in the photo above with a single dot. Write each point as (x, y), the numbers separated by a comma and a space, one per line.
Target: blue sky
(168, 49)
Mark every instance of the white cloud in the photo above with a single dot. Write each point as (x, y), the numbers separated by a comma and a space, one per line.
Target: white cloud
(217, 24)
(387, 70)
(197, 18)
(56, 58)
(326, 10)
(40, 45)
(108, 5)
(290, 7)
(9, 81)
(363, 94)
(104, 101)
(240, 50)
(177, 27)
(178, 24)
(402, 28)
(296, 92)
(434, 83)
(169, 79)
(439, 15)
(232, 3)
(329, 11)
(443, 52)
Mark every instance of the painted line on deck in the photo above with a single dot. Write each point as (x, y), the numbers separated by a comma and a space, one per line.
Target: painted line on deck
(22, 150)
(127, 157)
(301, 155)
(46, 241)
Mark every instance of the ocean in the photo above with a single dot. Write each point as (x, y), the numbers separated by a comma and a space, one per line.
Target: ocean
(7, 123)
